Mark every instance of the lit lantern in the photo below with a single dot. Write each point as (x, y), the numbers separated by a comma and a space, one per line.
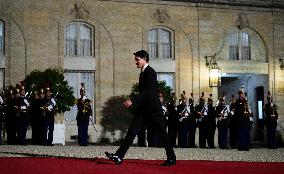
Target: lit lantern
(214, 71)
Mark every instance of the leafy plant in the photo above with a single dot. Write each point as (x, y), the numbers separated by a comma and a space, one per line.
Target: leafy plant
(54, 79)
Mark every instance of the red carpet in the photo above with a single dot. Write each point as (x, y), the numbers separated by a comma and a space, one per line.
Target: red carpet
(12, 165)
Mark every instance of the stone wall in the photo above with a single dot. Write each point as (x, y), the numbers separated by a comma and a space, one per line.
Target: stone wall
(35, 40)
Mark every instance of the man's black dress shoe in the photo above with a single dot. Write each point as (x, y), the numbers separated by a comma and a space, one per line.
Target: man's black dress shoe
(114, 158)
(169, 162)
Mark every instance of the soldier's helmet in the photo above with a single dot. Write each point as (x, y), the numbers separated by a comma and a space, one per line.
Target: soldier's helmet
(241, 91)
(202, 99)
(222, 99)
(17, 91)
(11, 91)
(210, 100)
(233, 99)
(42, 91)
(269, 97)
(22, 89)
(48, 90)
(191, 99)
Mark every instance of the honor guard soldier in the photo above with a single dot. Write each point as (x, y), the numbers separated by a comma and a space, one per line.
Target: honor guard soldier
(191, 122)
(83, 117)
(42, 117)
(35, 118)
(233, 124)
(11, 119)
(243, 114)
(271, 116)
(22, 105)
(222, 111)
(202, 112)
(211, 123)
(172, 120)
(183, 111)
(49, 117)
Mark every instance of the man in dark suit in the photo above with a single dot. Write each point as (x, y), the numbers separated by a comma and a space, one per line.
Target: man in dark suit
(147, 107)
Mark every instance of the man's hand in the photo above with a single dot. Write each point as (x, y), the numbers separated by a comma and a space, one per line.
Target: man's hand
(127, 103)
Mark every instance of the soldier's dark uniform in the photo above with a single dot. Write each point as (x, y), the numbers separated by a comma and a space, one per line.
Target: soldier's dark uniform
(49, 117)
(191, 123)
(201, 112)
(11, 119)
(271, 116)
(42, 115)
(22, 117)
(83, 117)
(211, 123)
(35, 119)
(233, 124)
(222, 123)
(243, 115)
(172, 121)
(183, 112)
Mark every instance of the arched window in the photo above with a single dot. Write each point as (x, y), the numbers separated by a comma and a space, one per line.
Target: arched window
(78, 40)
(159, 42)
(2, 34)
(239, 46)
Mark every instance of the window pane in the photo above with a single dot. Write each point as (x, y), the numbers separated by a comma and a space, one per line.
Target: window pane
(245, 48)
(165, 44)
(167, 77)
(1, 37)
(233, 39)
(245, 53)
(233, 47)
(70, 40)
(234, 52)
(244, 39)
(165, 36)
(152, 43)
(85, 43)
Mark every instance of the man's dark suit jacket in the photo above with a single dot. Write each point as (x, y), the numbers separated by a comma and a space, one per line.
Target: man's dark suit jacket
(147, 103)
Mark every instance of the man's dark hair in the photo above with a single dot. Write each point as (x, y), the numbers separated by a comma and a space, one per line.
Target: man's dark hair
(142, 54)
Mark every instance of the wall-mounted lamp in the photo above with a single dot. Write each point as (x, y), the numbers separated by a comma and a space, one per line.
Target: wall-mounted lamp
(214, 71)
(281, 64)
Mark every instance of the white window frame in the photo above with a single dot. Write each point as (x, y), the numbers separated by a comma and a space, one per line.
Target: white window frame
(159, 43)
(77, 39)
(159, 74)
(2, 41)
(238, 45)
(77, 94)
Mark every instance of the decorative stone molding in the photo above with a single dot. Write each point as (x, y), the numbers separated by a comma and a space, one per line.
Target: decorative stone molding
(242, 21)
(79, 12)
(161, 16)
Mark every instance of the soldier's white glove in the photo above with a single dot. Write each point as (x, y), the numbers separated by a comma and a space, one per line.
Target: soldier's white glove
(50, 107)
(23, 107)
(85, 97)
(250, 119)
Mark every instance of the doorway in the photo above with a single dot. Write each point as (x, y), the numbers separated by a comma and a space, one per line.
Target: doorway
(255, 86)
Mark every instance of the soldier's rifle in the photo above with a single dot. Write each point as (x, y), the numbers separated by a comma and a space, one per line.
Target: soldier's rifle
(91, 116)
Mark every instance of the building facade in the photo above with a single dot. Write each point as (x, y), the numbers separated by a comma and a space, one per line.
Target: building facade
(93, 41)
